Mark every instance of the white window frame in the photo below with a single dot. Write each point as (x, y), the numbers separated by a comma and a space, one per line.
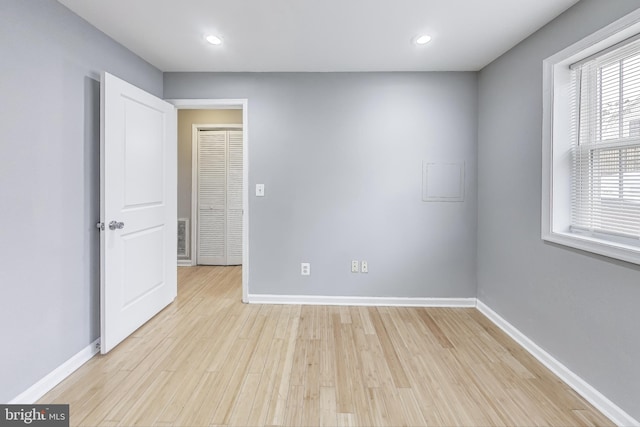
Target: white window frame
(556, 143)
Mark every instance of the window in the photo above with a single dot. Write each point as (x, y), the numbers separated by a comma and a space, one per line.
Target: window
(605, 130)
(591, 143)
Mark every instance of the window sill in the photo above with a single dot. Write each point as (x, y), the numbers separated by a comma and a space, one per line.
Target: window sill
(620, 251)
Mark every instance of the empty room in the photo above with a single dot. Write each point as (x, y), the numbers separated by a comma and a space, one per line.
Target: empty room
(320, 213)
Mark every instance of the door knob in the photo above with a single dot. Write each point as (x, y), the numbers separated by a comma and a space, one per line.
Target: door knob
(113, 225)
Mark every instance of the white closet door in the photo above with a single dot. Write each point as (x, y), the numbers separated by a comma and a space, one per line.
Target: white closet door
(212, 176)
(234, 198)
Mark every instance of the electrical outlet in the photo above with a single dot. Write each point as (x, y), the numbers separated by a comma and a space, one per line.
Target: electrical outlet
(305, 269)
(364, 267)
(355, 266)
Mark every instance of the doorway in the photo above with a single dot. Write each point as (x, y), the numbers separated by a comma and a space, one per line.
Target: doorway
(227, 113)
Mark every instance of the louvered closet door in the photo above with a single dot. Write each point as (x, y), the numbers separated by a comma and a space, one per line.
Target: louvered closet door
(234, 198)
(219, 197)
(212, 197)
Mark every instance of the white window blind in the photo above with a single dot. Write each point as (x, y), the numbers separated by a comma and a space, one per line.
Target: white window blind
(605, 129)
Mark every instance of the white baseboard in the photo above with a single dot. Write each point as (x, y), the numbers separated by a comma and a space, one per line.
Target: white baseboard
(39, 389)
(185, 263)
(368, 301)
(591, 395)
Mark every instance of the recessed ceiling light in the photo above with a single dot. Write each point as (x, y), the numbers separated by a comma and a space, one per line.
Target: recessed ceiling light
(424, 39)
(214, 40)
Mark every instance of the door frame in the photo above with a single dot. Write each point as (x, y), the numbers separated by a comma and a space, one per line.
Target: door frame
(230, 104)
(194, 180)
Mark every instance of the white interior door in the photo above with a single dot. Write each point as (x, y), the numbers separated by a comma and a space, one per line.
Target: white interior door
(138, 208)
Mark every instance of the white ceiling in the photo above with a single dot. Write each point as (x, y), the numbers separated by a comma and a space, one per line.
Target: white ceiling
(318, 35)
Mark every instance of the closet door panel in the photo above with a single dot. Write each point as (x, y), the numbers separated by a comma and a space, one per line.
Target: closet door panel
(212, 197)
(234, 198)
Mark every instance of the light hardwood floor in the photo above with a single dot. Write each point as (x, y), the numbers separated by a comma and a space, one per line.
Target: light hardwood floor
(208, 359)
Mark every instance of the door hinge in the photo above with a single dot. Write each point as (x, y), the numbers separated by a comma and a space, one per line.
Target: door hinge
(100, 226)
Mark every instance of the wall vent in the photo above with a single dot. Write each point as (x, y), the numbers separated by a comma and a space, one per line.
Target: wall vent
(183, 238)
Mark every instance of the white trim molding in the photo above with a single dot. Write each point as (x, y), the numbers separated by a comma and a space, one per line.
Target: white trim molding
(185, 263)
(39, 389)
(580, 386)
(366, 301)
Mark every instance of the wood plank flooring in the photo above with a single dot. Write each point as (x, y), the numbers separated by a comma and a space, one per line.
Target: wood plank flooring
(209, 360)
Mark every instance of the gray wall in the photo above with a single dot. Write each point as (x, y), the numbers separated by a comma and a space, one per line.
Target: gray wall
(341, 157)
(581, 308)
(49, 183)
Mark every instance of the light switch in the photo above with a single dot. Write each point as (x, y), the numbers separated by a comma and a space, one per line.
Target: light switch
(260, 190)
